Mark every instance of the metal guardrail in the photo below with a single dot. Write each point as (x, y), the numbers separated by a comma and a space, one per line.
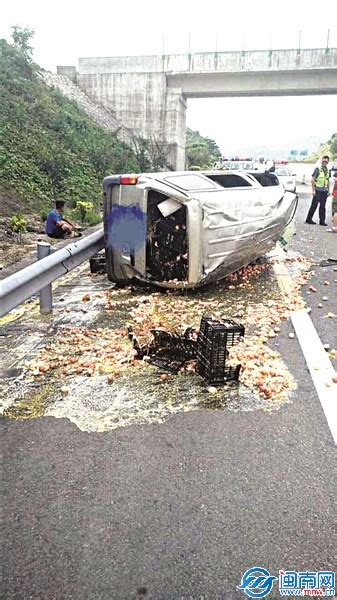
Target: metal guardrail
(20, 286)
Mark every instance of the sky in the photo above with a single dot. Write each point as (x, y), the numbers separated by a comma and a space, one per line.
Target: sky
(67, 30)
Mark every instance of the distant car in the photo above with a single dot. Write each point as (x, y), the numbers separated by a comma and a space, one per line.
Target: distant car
(287, 178)
(241, 165)
(234, 165)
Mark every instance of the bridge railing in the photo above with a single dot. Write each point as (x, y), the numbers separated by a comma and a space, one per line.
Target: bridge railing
(228, 61)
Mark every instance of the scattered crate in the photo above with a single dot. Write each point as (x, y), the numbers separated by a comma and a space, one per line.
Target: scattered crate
(214, 339)
(167, 350)
(170, 351)
(98, 263)
(167, 363)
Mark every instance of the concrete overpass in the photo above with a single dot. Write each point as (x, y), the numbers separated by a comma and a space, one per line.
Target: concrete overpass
(149, 93)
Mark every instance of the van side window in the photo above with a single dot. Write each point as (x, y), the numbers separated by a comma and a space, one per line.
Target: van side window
(266, 179)
(229, 181)
(189, 182)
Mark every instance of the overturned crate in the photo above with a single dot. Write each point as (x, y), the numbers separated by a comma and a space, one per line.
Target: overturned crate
(98, 263)
(214, 340)
(210, 348)
(169, 351)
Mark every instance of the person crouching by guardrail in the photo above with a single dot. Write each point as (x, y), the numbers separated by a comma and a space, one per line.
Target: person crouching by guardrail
(57, 226)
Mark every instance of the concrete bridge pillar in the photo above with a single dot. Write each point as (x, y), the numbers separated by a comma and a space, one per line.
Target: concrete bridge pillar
(144, 103)
(175, 128)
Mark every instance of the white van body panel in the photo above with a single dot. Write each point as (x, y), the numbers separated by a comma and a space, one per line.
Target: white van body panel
(226, 227)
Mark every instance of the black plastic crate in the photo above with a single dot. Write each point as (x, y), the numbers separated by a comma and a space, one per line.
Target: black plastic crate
(173, 343)
(172, 347)
(167, 363)
(189, 343)
(214, 339)
(167, 350)
(98, 264)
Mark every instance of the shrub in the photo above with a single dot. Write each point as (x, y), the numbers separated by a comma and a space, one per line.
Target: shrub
(19, 224)
(83, 208)
(43, 215)
(93, 218)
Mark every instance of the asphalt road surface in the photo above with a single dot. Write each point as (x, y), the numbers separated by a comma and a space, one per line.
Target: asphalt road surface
(177, 510)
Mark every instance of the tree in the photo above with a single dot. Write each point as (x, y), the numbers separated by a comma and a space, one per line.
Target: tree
(200, 151)
(150, 154)
(21, 37)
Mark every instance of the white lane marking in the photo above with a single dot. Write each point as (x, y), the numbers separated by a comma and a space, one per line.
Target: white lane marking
(319, 365)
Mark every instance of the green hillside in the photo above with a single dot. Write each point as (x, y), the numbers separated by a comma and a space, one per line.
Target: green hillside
(50, 147)
(329, 148)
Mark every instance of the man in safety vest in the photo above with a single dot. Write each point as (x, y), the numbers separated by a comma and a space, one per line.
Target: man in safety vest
(320, 190)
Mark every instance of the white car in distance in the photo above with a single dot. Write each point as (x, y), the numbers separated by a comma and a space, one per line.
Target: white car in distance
(286, 178)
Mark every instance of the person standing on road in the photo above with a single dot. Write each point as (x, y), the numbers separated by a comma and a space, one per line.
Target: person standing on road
(320, 190)
(334, 204)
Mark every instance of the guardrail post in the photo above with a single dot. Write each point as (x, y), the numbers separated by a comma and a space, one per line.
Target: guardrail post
(23, 284)
(46, 298)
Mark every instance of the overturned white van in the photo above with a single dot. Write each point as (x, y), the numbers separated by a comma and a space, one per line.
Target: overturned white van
(186, 229)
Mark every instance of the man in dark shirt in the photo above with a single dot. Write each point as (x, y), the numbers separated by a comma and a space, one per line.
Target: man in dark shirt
(56, 225)
(320, 190)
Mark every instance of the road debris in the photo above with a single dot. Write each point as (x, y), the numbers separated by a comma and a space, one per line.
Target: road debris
(80, 352)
